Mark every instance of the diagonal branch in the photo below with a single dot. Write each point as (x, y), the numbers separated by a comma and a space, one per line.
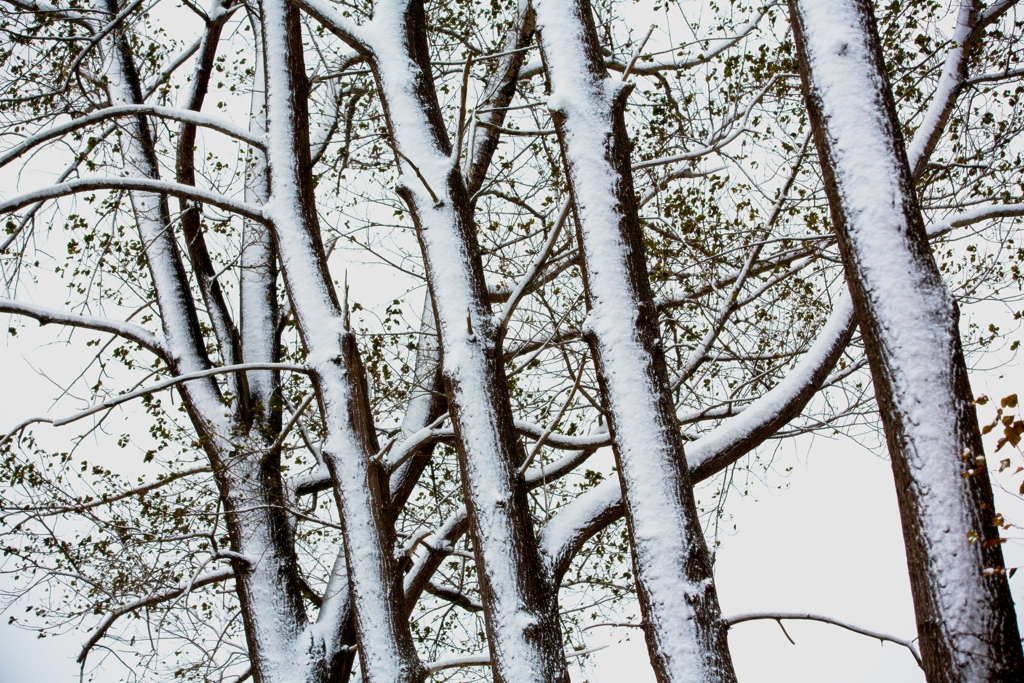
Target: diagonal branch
(172, 113)
(159, 386)
(129, 331)
(149, 601)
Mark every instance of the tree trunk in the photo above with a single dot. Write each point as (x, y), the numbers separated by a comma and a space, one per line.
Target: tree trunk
(682, 619)
(387, 652)
(520, 604)
(965, 615)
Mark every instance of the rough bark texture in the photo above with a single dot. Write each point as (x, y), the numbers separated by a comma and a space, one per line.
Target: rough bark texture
(965, 615)
(520, 605)
(675, 585)
(387, 652)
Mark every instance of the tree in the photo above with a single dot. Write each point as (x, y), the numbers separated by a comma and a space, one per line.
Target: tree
(965, 616)
(682, 318)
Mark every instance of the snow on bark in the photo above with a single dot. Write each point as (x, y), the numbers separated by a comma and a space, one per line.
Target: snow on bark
(769, 413)
(519, 602)
(258, 314)
(685, 636)
(564, 535)
(953, 70)
(482, 141)
(426, 404)
(966, 622)
(385, 642)
(271, 605)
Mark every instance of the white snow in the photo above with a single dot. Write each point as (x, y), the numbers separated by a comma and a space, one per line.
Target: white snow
(912, 306)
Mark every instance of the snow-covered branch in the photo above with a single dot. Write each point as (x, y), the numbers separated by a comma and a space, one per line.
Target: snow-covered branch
(565, 533)
(969, 27)
(171, 113)
(977, 215)
(129, 331)
(330, 18)
(133, 184)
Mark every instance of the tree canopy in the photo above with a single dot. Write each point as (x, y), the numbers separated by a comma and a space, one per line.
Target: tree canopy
(229, 216)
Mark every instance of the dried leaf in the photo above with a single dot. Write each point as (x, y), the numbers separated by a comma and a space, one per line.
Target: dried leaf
(1009, 401)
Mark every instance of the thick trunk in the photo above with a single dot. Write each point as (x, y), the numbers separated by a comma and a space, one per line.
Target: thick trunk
(965, 616)
(682, 619)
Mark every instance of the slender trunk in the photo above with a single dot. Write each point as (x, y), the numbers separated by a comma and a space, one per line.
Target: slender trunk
(360, 483)
(190, 216)
(248, 476)
(682, 619)
(965, 615)
(520, 605)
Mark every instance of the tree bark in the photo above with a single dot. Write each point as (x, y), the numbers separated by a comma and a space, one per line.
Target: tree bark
(686, 637)
(520, 603)
(387, 652)
(965, 616)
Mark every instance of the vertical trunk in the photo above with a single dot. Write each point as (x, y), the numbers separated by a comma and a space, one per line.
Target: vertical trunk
(248, 476)
(360, 483)
(682, 620)
(965, 616)
(258, 309)
(520, 605)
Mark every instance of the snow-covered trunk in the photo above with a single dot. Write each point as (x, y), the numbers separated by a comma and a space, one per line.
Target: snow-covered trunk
(426, 404)
(259, 314)
(360, 482)
(965, 616)
(682, 619)
(190, 215)
(521, 614)
(248, 478)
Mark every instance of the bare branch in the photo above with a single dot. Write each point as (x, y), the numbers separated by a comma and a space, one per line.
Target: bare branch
(149, 601)
(778, 616)
(159, 386)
